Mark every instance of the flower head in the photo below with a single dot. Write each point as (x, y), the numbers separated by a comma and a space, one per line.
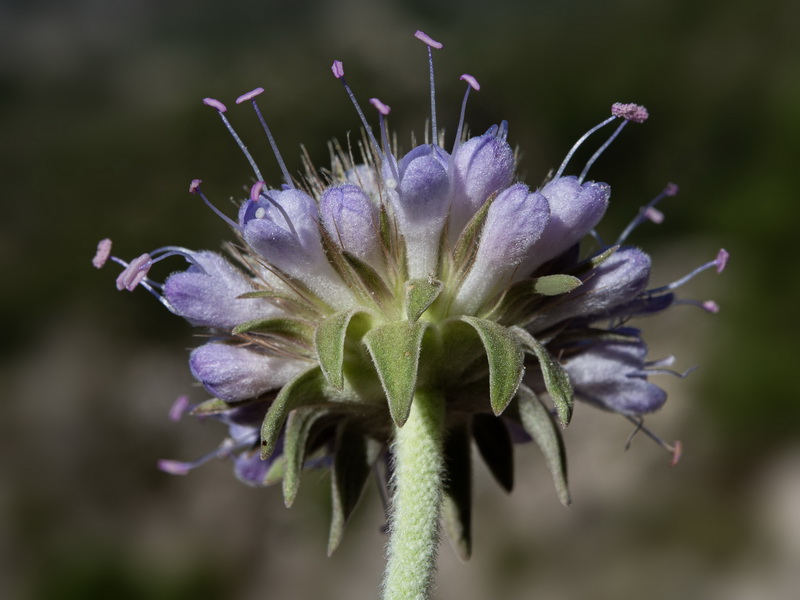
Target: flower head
(433, 269)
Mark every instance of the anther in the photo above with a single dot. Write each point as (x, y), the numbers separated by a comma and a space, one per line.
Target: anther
(194, 188)
(382, 108)
(102, 254)
(719, 263)
(338, 71)
(473, 84)
(675, 449)
(648, 212)
(133, 274)
(722, 260)
(261, 212)
(178, 408)
(221, 110)
(383, 111)
(251, 95)
(431, 43)
(630, 112)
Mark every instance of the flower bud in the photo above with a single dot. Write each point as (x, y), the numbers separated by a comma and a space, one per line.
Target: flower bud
(237, 373)
(574, 211)
(211, 298)
(351, 220)
(612, 376)
(513, 225)
(481, 166)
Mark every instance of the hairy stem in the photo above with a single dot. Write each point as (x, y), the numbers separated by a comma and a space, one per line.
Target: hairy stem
(417, 499)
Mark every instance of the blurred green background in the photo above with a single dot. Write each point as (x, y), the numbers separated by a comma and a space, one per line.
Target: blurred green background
(103, 129)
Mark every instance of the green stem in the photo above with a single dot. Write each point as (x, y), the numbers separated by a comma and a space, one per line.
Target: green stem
(417, 500)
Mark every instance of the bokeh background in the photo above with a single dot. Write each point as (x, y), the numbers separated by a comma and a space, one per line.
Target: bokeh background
(102, 129)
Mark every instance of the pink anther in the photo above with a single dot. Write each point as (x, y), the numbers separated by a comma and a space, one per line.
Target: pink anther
(249, 95)
(473, 83)
(338, 69)
(424, 37)
(102, 254)
(215, 104)
(255, 191)
(671, 189)
(654, 215)
(195, 185)
(630, 112)
(174, 467)
(384, 109)
(722, 259)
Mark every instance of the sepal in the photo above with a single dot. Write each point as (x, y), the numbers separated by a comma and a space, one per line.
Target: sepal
(395, 349)
(307, 388)
(539, 424)
(506, 365)
(297, 440)
(555, 377)
(420, 294)
(329, 339)
(353, 459)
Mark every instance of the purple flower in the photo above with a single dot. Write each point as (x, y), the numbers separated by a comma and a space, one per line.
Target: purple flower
(426, 273)
(613, 376)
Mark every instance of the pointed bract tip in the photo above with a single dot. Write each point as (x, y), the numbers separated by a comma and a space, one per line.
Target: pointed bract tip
(382, 108)
(255, 191)
(178, 408)
(249, 95)
(630, 112)
(722, 259)
(473, 83)
(338, 69)
(710, 306)
(215, 104)
(173, 467)
(671, 189)
(195, 185)
(424, 37)
(102, 254)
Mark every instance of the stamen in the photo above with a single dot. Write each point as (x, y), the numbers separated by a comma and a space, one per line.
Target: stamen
(472, 83)
(648, 212)
(255, 194)
(102, 254)
(629, 112)
(226, 448)
(578, 144)
(383, 111)
(675, 449)
(134, 273)
(178, 408)
(338, 71)
(252, 96)
(431, 43)
(194, 188)
(719, 263)
(708, 306)
(221, 110)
